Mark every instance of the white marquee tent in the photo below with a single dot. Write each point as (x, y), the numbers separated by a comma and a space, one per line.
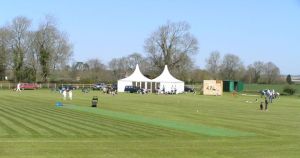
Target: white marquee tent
(167, 82)
(135, 79)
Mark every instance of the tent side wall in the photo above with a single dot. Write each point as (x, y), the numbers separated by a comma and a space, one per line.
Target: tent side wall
(122, 84)
(180, 88)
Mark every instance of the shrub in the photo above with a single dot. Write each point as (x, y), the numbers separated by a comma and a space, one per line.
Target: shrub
(289, 90)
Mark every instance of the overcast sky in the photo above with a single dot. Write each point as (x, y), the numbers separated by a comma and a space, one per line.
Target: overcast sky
(254, 30)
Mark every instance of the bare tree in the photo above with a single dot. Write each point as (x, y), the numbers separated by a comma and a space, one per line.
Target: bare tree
(19, 29)
(198, 75)
(45, 37)
(29, 52)
(232, 67)
(31, 57)
(255, 71)
(213, 64)
(119, 67)
(172, 44)
(271, 72)
(5, 37)
(184, 70)
(52, 47)
(134, 59)
(78, 68)
(97, 71)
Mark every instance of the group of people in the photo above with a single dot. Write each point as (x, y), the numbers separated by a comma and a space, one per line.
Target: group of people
(110, 90)
(67, 93)
(173, 90)
(143, 91)
(261, 106)
(269, 96)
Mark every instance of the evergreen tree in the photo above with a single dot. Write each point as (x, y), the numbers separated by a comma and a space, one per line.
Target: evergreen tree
(289, 79)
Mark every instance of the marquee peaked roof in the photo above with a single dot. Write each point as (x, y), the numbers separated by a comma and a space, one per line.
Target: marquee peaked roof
(165, 76)
(136, 76)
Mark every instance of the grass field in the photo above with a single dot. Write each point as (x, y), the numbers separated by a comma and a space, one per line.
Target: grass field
(131, 125)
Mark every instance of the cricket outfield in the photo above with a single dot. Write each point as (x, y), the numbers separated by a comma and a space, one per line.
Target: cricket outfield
(132, 125)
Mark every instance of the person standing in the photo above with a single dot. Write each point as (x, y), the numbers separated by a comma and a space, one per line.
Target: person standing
(175, 90)
(18, 87)
(64, 93)
(70, 94)
(266, 104)
(261, 106)
(271, 98)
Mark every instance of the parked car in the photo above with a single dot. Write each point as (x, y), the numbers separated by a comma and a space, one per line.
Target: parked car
(29, 86)
(131, 89)
(99, 86)
(66, 87)
(188, 89)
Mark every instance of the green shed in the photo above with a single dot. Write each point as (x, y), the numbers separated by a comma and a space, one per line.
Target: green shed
(231, 85)
(228, 86)
(239, 86)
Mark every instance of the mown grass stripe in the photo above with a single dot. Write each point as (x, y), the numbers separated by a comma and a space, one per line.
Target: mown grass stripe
(133, 126)
(19, 125)
(152, 130)
(84, 125)
(40, 129)
(5, 129)
(61, 127)
(44, 127)
(123, 123)
(116, 125)
(200, 129)
(116, 130)
(71, 126)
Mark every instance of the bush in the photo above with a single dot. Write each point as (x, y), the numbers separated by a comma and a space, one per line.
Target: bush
(289, 90)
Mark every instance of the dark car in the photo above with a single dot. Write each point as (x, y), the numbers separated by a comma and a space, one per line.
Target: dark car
(66, 87)
(99, 86)
(188, 89)
(29, 86)
(131, 89)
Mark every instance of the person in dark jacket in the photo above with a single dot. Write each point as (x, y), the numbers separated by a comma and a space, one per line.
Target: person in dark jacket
(266, 104)
(261, 106)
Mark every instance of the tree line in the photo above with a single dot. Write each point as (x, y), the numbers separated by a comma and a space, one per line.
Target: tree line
(32, 55)
(232, 68)
(44, 55)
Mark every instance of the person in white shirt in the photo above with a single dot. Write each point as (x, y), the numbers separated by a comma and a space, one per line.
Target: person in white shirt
(18, 87)
(70, 95)
(64, 93)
